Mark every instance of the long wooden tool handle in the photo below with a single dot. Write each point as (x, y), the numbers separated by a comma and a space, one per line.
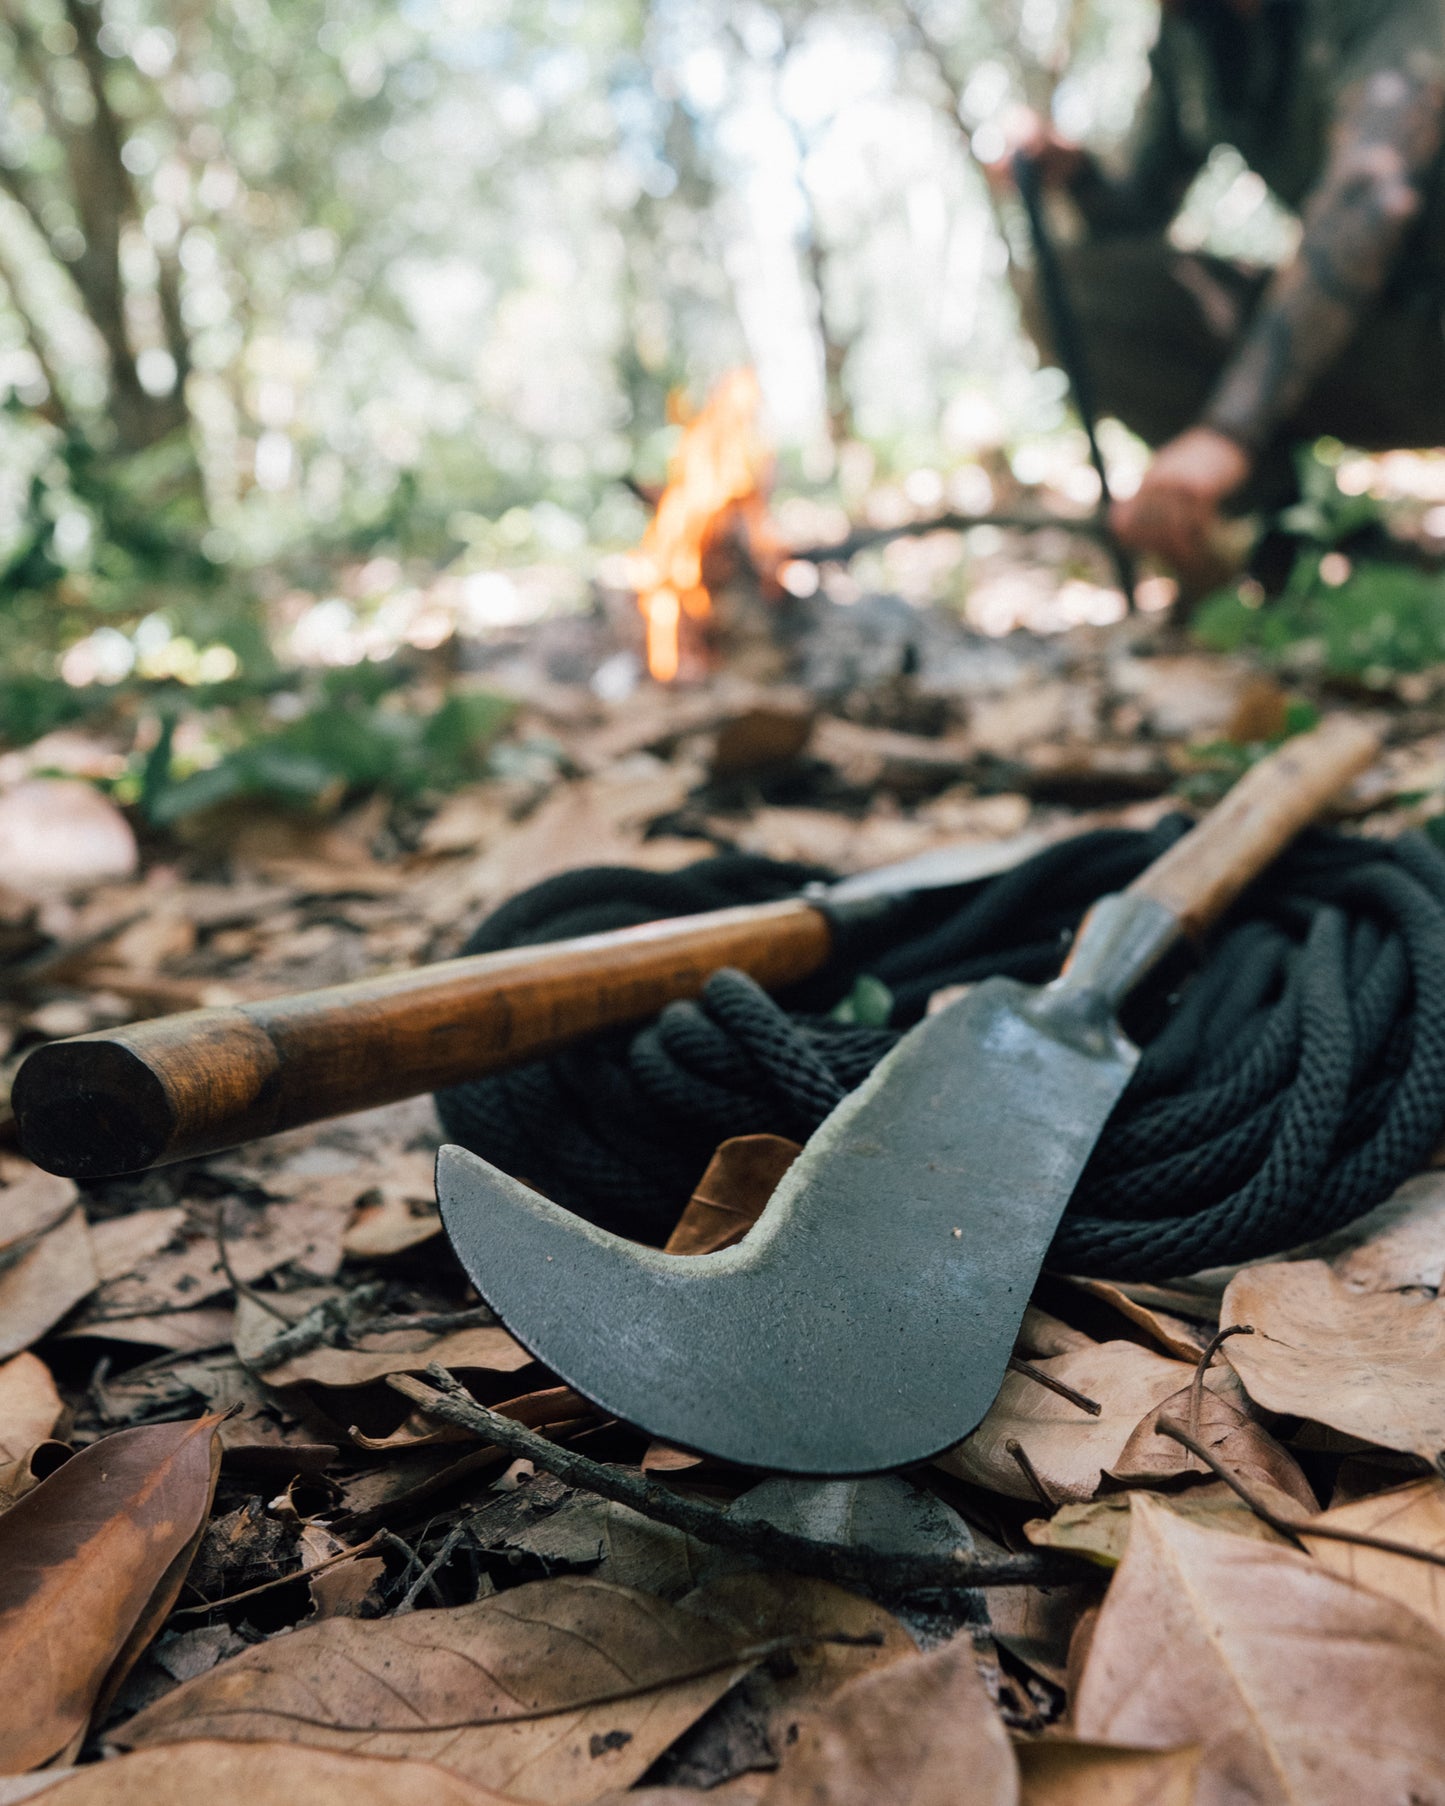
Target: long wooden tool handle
(1201, 875)
(177, 1086)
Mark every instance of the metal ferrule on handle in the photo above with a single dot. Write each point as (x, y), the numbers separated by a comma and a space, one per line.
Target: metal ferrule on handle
(1189, 887)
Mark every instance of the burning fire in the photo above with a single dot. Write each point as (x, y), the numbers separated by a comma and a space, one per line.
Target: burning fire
(715, 481)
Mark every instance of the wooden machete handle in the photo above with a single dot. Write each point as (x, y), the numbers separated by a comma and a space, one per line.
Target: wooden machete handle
(177, 1086)
(1201, 875)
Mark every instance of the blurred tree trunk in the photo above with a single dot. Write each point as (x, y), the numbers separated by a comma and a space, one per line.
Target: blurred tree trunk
(95, 185)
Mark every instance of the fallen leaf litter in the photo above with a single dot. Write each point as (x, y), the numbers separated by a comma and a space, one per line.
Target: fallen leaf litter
(229, 1382)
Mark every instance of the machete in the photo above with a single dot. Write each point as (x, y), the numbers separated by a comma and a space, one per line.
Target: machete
(867, 1318)
(124, 1099)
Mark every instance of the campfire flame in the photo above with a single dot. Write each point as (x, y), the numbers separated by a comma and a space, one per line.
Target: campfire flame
(716, 477)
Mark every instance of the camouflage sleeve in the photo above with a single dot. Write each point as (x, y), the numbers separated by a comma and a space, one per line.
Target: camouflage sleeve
(1157, 166)
(1385, 143)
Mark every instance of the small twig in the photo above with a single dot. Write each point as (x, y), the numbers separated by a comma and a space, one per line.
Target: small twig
(238, 1285)
(447, 1399)
(281, 1580)
(1030, 1473)
(1296, 1528)
(434, 1322)
(427, 1577)
(321, 1325)
(1029, 1372)
(1196, 1388)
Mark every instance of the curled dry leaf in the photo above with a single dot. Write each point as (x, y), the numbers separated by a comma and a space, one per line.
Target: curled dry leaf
(1177, 1336)
(30, 1408)
(514, 1692)
(740, 1178)
(1414, 1515)
(262, 1774)
(1068, 1448)
(1365, 1363)
(921, 1732)
(1237, 1442)
(1297, 1685)
(90, 1564)
(1056, 1771)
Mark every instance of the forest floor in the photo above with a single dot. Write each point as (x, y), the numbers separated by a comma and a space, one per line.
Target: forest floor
(234, 1556)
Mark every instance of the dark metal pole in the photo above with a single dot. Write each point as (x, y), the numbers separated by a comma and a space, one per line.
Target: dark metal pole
(1070, 350)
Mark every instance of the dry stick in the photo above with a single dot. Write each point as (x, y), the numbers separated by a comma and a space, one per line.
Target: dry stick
(427, 1577)
(280, 1580)
(1288, 1526)
(1030, 1473)
(319, 1326)
(708, 1523)
(239, 1286)
(1196, 1389)
(1028, 1371)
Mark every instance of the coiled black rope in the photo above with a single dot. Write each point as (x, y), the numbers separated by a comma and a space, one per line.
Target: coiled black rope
(1289, 1081)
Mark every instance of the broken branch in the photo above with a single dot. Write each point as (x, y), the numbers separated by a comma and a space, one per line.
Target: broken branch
(449, 1400)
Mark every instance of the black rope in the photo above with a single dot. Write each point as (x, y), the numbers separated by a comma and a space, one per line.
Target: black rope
(1289, 1081)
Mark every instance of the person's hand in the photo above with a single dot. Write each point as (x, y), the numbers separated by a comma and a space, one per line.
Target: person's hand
(1174, 514)
(1060, 162)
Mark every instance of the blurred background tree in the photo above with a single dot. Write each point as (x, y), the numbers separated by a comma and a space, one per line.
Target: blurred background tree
(285, 286)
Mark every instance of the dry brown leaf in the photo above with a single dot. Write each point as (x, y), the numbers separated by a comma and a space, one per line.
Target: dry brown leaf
(485, 1350)
(32, 1201)
(1056, 1771)
(1367, 1363)
(1298, 1686)
(740, 1178)
(1413, 1514)
(538, 1410)
(1100, 1529)
(921, 1732)
(1042, 1334)
(599, 820)
(51, 1277)
(757, 1608)
(186, 1270)
(746, 1790)
(343, 1591)
(122, 1243)
(1398, 1244)
(1237, 1441)
(30, 1408)
(1037, 1624)
(183, 1332)
(90, 1564)
(263, 1774)
(1069, 1449)
(1177, 1336)
(397, 1212)
(514, 1692)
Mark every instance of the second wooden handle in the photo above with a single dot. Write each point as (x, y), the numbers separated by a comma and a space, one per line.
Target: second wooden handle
(1201, 875)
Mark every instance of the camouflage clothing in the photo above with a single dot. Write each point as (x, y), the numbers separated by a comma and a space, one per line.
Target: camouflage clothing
(1340, 106)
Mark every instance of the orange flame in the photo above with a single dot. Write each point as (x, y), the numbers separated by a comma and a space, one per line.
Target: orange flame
(718, 469)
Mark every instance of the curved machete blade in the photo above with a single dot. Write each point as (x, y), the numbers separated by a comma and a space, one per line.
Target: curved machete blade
(867, 1318)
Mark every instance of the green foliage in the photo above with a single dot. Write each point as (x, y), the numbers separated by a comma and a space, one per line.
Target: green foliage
(869, 1003)
(32, 705)
(1382, 617)
(1352, 617)
(354, 736)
